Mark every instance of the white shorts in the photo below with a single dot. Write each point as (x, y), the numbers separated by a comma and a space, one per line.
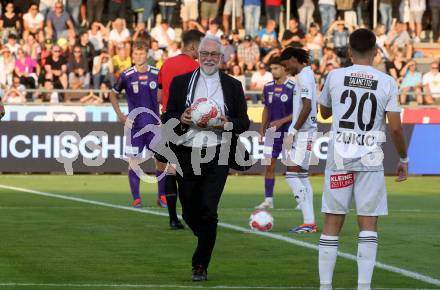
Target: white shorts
(301, 152)
(228, 8)
(368, 188)
(189, 11)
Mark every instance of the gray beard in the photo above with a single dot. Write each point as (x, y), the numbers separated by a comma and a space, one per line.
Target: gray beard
(209, 74)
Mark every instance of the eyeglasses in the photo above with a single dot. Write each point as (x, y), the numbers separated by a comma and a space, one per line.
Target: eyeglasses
(59, 7)
(77, 51)
(213, 54)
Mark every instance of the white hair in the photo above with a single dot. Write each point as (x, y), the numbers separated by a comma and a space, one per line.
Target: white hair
(214, 39)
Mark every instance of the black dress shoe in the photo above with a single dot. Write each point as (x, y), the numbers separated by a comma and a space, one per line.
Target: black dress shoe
(199, 273)
(176, 225)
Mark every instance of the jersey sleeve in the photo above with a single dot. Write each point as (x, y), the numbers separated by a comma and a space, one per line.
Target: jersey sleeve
(392, 105)
(324, 98)
(305, 85)
(119, 84)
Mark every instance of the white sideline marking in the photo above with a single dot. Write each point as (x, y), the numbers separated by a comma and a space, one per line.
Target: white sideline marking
(155, 286)
(400, 271)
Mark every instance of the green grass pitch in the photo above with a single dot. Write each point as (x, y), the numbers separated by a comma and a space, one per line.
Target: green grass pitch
(51, 243)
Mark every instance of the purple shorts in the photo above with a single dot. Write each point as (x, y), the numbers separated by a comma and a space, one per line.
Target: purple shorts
(274, 150)
(135, 144)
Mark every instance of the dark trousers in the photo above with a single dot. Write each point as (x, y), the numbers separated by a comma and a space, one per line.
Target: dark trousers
(435, 10)
(199, 196)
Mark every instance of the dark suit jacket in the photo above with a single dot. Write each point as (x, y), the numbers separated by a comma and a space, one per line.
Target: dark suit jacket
(235, 104)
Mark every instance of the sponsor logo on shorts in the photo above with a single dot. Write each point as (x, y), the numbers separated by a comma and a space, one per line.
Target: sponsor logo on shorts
(341, 180)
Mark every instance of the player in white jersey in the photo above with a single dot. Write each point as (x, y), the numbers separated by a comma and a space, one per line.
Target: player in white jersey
(301, 131)
(359, 98)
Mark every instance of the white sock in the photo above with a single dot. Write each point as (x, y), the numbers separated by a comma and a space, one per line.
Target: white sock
(366, 258)
(309, 213)
(294, 180)
(328, 252)
(269, 200)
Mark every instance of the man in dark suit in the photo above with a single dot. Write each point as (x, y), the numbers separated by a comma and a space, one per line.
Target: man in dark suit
(200, 152)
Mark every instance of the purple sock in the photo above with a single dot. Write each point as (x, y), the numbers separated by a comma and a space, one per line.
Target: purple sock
(160, 184)
(268, 186)
(134, 180)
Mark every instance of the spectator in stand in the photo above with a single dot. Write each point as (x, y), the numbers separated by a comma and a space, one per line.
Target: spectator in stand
(94, 11)
(192, 24)
(340, 33)
(31, 47)
(248, 54)
(214, 29)
(49, 96)
(431, 84)
(56, 68)
(46, 6)
(97, 34)
(435, 12)
(12, 44)
(411, 83)
(167, 8)
(155, 53)
(164, 34)
(228, 53)
(399, 39)
(7, 67)
(267, 38)
(46, 51)
(273, 10)
(386, 8)
(78, 70)
(72, 8)
(146, 6)
(235, 39)
(188, 11)
(237, 74)
(208, 11)
(305, 13)
(397, 68)
(417, 8)
(252, 11)
(33, 23)
(227, 13)
(87, 48)
(272, 53)
(328, 57)
(117, 9)
(27, 69)
(140, 32)
(9, 22)
(173, 49)
(59, 24)
(119, 36)
(293, 36)
(314, 42)
(327, 11)
(260, 78)
(102, 69)
(381, 38)
(16, 93)
(121, 61)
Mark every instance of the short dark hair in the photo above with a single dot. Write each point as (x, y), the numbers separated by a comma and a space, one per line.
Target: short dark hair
(275, 60)
(141, 44)
(192, 36)
(300, 54)
(362, 41)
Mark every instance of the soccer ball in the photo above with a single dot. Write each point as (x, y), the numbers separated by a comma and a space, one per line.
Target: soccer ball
(205, 110)
(261, 220)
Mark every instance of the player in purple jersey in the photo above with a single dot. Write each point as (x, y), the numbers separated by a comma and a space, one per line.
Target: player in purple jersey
(140, 85)
(277, 116)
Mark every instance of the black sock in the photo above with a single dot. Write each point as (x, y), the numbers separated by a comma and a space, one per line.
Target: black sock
(171, 195)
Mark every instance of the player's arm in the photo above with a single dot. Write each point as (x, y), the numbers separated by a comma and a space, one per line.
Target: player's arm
(159, 96)
(326, 112)
(116, 107)
(304, 114)
(117, 89)
(398, 137)
(280, 122)
(264, 121)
